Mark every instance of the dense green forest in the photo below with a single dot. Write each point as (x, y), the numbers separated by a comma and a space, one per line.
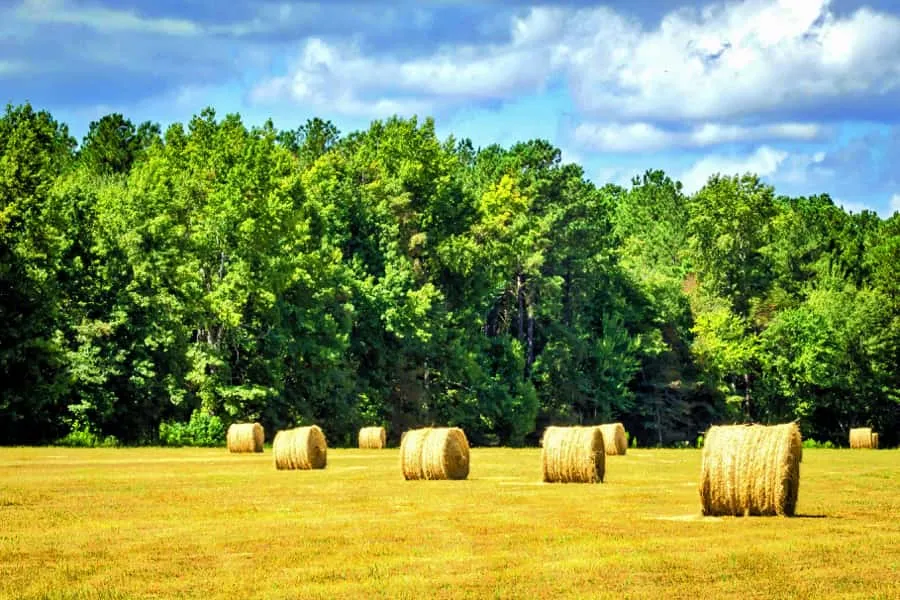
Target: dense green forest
(219, 272)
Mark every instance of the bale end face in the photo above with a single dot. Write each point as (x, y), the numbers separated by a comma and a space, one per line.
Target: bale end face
(245, 437)
(615, 439)
(300, 448)
(434, 453)
(372, 438)
(862, 437)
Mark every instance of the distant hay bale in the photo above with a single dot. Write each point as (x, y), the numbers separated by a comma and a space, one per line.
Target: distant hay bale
(861, 437)
(245, 437)
(875, 441)
(614, 438)
(751, 470)
(434, 453)
(300, 448)
(573, 455)
(372, 438)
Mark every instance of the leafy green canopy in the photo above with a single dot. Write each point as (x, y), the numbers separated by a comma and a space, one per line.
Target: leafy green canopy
(157, 286)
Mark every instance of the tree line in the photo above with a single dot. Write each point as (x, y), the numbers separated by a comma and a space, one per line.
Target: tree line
(386, 276)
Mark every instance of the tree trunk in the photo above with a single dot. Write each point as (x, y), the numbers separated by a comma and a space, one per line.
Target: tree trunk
(520, 295)
(659, 424)
(747, 415)
(529, 356)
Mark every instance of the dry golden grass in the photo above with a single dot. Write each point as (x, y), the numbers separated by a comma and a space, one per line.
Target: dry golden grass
(203, 523)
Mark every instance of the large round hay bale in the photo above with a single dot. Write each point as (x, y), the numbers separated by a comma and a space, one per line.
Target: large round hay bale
(573, 455)
(861, 437)
(614, 438)
(434, 453)
(875, 441)
(372, 438)
(751, 470)
(245, 437)
(300, 448)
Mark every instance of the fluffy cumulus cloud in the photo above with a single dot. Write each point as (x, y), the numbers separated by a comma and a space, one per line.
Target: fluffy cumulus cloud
(759, 58)
(764, 162)
(341, 77)
(648, 137)
(859, 170)
(724, 61)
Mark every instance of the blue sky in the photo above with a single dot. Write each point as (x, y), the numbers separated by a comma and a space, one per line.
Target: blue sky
(803, 92)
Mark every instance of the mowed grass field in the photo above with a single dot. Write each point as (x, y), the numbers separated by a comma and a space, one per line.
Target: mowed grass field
(202, 523)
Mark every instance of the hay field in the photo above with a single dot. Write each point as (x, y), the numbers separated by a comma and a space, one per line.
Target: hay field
(203, 523)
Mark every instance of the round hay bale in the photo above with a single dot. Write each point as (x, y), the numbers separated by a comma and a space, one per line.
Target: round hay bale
(373, 438)
(300, 448)
(861, 437)
(751, 470)
(245, 437)
(875, 441)
(573, 455)
(615, 439)
(434, 453)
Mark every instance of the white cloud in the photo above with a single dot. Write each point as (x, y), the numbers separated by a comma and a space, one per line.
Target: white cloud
(340, 77)
(103, 19)
(852, 207)
(802, 169)
(895, 203)
(764, 161)
(631, 137)
(567, 155)
(113, 20)
(708, 65)
(645, 137)
(11, 67)
(616, 175)
(337, 78)
(733, 59)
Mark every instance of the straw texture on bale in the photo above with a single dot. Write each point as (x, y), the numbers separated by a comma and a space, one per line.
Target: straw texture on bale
(434, 453)
(372, 438)
(245, 437)
(862, 437)
(615, 439)
(751, 470)
(573, 455)
(300, 448)
(875, 441)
